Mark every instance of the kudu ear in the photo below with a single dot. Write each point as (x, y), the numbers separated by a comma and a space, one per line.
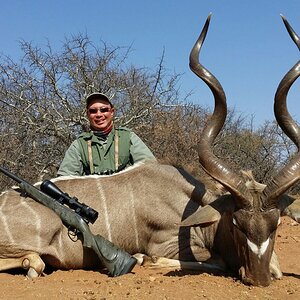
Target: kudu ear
(290, 207)
(204, 215)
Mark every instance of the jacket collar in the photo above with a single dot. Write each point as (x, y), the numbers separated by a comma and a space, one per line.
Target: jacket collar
(91, 136)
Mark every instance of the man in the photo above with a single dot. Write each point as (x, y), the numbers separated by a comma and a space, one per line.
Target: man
(104, 149)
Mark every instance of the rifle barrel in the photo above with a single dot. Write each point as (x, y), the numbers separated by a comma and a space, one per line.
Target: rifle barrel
(11, 175)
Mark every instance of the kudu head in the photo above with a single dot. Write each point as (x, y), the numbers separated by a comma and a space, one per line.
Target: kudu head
(254, 212)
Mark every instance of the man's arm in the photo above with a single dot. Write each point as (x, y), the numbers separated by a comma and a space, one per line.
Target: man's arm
(138, 150)
(71, 164)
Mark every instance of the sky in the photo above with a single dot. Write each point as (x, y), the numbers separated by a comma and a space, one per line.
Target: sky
(247, 46)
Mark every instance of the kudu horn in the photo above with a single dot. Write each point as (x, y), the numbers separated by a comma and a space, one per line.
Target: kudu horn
(215, 167)
(290, 174)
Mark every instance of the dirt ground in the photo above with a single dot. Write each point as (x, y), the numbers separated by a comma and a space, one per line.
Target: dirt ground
(145, 283)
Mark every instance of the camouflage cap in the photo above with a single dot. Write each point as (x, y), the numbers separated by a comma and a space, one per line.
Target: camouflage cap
(97, 95)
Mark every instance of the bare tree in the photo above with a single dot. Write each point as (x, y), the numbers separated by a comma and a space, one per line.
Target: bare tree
(42, 110)
(42, 99)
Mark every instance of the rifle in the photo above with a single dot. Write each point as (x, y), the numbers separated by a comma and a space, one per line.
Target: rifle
(76, 215)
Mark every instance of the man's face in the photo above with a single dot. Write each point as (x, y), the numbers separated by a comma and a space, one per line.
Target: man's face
(100, 114)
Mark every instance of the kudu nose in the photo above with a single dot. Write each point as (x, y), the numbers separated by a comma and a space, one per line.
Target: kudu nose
(254, 280)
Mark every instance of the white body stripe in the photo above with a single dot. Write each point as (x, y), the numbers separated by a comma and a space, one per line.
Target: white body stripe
(4, 223)
(105, 210)
(135, 225)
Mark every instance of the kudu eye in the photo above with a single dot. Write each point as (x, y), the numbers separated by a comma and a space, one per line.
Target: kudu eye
(236, 224)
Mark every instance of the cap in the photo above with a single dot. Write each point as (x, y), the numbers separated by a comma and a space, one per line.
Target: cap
(97, 95)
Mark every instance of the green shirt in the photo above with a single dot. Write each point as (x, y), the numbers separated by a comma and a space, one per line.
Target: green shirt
(131, 149)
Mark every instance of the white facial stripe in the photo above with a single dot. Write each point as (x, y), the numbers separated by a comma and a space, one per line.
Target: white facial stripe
(259, 251)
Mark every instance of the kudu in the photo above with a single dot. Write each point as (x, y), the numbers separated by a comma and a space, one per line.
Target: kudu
(163, 212)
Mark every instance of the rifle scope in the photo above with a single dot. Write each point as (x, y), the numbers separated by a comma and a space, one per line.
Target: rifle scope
(86, 212)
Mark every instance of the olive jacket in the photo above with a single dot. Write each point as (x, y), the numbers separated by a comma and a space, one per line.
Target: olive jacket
(91, 154)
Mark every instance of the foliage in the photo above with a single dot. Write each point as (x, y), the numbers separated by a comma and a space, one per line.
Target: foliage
(42, 110)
